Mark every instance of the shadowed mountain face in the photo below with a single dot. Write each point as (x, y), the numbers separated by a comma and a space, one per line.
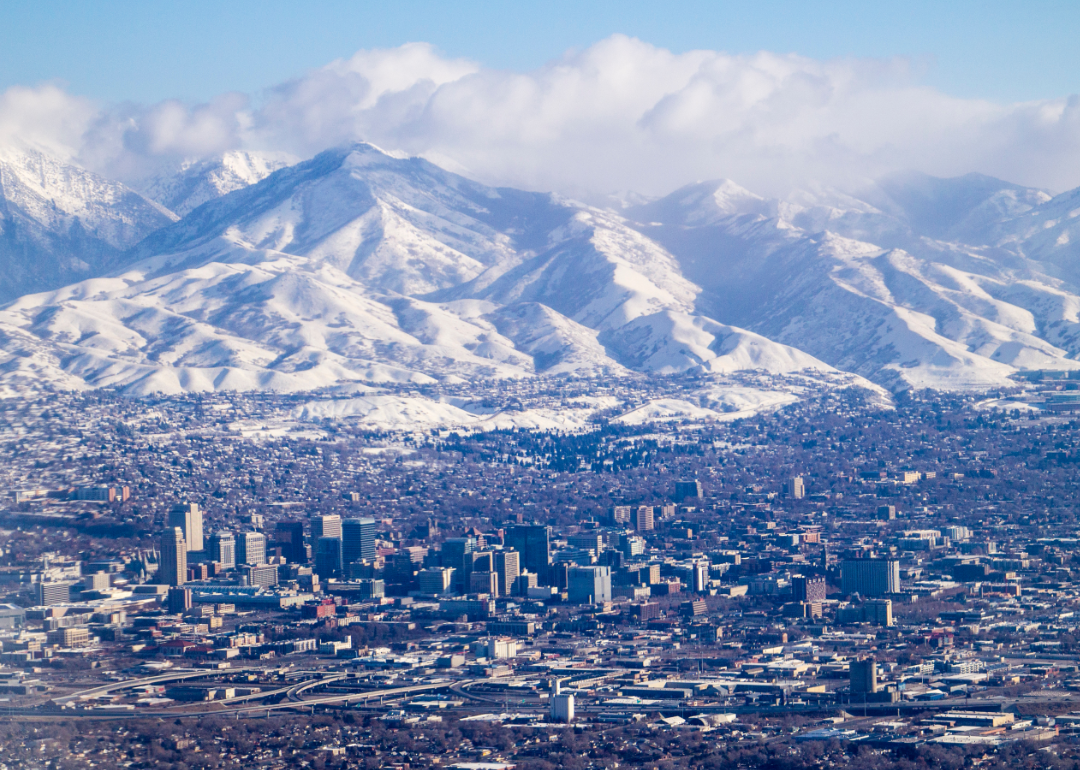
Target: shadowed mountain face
(60, 224)
(358, 265)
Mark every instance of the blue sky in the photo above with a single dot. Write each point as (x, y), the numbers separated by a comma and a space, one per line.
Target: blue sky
(145, 51)
(583, 98)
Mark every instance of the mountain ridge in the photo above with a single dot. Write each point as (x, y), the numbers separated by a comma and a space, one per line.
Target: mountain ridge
(363, 266)
(60, 223)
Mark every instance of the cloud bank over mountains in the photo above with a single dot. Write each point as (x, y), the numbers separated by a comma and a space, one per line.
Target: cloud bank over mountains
(621, 115)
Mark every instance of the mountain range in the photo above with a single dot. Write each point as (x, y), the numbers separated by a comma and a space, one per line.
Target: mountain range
(252, 271)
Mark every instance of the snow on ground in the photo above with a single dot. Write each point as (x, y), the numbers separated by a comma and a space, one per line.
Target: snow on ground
(408, 412)
(387, 411)
(716, 404)
(1008, 404)
(719, 400)
(666, 410)
(731, 399)
(537, 419)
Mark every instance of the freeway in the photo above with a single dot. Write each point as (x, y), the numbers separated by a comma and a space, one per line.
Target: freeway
(291, 691)
(347, 699)
(462, 689)
(240, 706)
(177, 675)
(294, 692)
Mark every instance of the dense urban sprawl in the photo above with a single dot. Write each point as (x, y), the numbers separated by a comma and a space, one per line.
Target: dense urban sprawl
(198, 581)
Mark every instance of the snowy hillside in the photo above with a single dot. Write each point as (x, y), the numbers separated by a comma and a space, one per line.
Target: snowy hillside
(194, 182)
(362, 266)
(60, 223)
(881, 286)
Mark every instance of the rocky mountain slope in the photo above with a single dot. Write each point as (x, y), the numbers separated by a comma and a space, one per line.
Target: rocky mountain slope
(359, 265)
(60, 223)
(186, 187)
(881, 285)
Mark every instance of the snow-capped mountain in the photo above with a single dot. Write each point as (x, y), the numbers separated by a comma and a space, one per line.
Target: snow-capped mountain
(194, 182)
(359, 265)
(60, 223)
(882, 286)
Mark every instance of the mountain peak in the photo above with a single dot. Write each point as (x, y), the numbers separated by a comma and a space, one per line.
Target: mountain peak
(60, 223)
(703, 203)
(366, 265)
(945, 207)
(184, 188)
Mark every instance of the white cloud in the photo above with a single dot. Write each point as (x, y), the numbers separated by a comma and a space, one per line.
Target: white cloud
(45, 116)
(620, 115)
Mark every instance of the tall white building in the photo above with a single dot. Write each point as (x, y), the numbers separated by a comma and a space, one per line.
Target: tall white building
(325, 526)
(589, 585)
(173, 566)
(701, 576)
(251, 548)
(189, 517)
(223, 548)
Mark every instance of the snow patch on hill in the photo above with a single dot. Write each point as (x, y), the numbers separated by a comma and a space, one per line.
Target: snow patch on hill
(195, 182)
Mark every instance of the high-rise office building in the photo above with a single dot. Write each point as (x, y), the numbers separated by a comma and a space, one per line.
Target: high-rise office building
(644, 518)
(328, 557)
(251, 548)
(533, 543)
(325, 526)
(508, 568)
(592, 542)
(612, 558)
(372, 588)
(878, 611)
(454, 549)
(484, 582)
(631, 545)
(701, 576)
(189, 518)
(223, 548)
(589, 585)
(53, 592)
(260, 575)
(179, 599)
(457, 554)
(289, 537)
(862, 676)
(688, 489)
(870, 577)
(481, 561)
(796, 488)
(808, 589)
(357, 540)
(172, 569)
(435, 581)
